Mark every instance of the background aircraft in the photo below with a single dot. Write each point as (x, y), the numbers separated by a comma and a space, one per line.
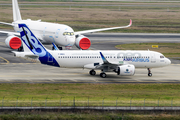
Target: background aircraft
(121, 62)
(48, 33)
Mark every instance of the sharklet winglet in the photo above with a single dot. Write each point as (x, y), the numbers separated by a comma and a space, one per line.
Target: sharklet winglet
(103, 58)
(55, 47)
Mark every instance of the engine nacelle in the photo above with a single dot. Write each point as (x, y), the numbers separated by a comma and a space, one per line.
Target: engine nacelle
(13, 42)
(126, 70)
(82, 42)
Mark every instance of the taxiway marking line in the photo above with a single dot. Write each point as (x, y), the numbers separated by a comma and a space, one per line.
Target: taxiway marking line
(5, 60)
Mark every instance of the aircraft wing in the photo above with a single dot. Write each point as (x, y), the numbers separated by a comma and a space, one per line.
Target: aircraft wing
(105, 63)
(11, 33)
(103, 29)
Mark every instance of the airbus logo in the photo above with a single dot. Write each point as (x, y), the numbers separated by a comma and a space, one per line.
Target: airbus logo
(136, 59)
(38, 48)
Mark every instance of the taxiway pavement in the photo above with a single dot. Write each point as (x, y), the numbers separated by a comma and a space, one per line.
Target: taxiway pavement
(16, 70)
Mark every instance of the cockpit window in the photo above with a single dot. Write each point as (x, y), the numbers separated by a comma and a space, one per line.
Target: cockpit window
(161, 56)
(68, 33)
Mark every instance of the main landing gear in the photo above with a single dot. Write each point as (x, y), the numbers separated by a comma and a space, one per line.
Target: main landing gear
(149, 72)
(103, 75)
(92, 72)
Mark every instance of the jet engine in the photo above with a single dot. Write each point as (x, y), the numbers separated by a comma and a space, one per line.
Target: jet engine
(13, 42)
(125, 70)
(82, 42)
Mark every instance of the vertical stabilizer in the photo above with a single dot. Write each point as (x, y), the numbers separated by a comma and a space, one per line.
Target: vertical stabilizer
(36, 47)
(16, 11)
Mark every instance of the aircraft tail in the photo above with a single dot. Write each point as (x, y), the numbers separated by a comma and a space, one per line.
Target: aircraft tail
(16, 11)
(31, 43)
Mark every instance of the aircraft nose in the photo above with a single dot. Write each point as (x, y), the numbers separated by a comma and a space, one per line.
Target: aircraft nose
(168, 62)
(70, 42)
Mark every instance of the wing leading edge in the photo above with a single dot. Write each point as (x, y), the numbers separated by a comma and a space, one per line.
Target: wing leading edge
(103, 29)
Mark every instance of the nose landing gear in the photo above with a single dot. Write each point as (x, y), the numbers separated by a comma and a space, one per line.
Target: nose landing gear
(149, 72)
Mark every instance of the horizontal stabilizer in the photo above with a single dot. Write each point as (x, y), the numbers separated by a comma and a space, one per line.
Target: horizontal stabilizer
(32, 56)
(25, 54)
(7, 24)
(11, 33)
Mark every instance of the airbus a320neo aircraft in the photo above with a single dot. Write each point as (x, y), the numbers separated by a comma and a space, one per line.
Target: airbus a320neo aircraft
(121, 62)
(48, 33)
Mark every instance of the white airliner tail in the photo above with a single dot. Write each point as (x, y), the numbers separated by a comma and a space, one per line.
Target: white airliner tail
(16, 11)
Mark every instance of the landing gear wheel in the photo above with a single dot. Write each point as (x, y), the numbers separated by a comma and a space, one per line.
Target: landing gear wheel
(103, 75)
(149, 72)
(92, 72)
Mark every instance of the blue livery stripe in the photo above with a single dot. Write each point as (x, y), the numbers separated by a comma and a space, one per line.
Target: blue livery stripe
(36, 46)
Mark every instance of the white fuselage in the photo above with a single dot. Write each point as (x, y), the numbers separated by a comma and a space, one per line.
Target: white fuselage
(49, 33)
(140, 59)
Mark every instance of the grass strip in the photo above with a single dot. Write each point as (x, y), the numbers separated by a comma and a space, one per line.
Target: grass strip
(89, 94)
(146, 18)
(88, 115)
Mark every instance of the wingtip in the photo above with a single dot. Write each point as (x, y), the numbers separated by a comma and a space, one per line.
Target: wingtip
(130, 22)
